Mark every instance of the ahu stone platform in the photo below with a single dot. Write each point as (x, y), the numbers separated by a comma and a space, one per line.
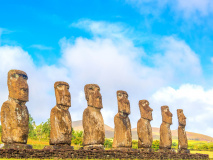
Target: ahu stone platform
(95, 154)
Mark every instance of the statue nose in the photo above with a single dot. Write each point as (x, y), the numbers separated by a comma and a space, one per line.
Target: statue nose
(67, 93)
(23, 84)
(97, 93)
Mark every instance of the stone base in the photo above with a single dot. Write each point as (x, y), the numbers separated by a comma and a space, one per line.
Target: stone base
(52, 147)
(16, 146)
(93, 147)
(166, 150)
(183, 151)
(93, 154)
(123, 149)
(146, 149)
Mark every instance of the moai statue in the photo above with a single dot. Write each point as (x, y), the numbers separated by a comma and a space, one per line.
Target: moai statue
(93, 123)
(165, 132)
(14, 112)
(182, 138)
(60, 119)
(144, 128)
(122, 131)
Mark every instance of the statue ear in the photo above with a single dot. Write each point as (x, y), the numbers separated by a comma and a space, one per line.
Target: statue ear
(87, 97)
(86, 94)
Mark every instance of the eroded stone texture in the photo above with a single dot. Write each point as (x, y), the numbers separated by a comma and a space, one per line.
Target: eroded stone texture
(93, 123)
(14, 113)
(122, 131)
(60, 119)
(144, 128)
(165, 132)
(182, 138)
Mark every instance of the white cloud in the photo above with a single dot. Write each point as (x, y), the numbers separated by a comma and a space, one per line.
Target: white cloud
(41, 47)
(187, 9)
(176, 57)
(101, 28)
(194, 100)
(194, 7)
(146, 6)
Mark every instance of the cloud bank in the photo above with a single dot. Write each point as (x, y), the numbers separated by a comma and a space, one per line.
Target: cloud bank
(111, 60)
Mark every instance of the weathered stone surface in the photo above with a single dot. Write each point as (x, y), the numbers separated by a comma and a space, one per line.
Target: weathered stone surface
(14, 113)
(60, 119)
(182, 138)
(165, 132)
(93, 147)
(122, 131)
(94, 154)
(93, 123)
(144, 128)
(17, 146)
(63, 146)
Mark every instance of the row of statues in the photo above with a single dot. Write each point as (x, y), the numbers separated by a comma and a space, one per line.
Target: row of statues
(15, 118)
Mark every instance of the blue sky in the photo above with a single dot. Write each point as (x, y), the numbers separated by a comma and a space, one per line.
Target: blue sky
(154, 49)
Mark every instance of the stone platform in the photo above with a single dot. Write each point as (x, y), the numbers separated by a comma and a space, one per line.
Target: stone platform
(95, 154)
(55, 147)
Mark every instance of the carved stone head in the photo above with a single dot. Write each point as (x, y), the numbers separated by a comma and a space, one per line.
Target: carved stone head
(181, 117)
(123, 102)
(166, 114)
(17, 85)
(93, 95)
(62, 94)
(146, 111)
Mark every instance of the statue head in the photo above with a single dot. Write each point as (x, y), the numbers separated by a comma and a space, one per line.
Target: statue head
(93, 95)
(17, 85)
(123, 102)
(166, 114)
(181, 117)
(146, 111)
(62, 94)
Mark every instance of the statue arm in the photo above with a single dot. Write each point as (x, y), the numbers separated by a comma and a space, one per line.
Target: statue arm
(54, 126)
(5, 122)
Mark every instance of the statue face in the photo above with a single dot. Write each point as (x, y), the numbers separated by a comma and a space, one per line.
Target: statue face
(93, 95)
(62, 94)
(123, 102)
(166, 114)
(146, 111)
(181, 117)
(17, 85)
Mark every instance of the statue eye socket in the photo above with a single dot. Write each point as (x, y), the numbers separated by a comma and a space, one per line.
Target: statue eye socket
(59, 86)
(90, 88)
(67, 87)
(25, 77)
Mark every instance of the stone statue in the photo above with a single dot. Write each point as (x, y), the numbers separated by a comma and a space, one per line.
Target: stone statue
(182, 138)
(144, 128)
(165, 132)
(93, 123)
(60, 119)
(122, 132)
(14, 112)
